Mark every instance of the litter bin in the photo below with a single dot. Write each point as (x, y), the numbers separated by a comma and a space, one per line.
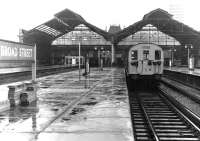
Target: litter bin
(24, 99)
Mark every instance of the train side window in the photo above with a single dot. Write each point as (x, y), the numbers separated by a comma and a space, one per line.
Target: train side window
(145, 54)
(157, 55)
(134, 55)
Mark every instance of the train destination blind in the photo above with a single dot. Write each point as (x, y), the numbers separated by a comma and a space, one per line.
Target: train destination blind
(16, 51)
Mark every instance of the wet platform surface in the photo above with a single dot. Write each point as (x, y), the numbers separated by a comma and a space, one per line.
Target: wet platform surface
(92, 108)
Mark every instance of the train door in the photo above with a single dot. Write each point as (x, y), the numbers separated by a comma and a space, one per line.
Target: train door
(146, 63)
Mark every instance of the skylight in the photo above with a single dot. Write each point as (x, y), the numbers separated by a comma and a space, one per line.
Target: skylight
(48, 30)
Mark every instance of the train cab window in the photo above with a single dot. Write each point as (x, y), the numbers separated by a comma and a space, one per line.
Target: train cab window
(134, 55)
(157, 55)
(145, 54)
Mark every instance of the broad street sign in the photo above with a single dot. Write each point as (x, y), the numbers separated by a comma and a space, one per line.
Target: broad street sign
(13, 51)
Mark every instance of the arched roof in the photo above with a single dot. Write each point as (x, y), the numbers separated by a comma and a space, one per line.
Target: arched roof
(62, 23)
(165, 23)
(66, 20)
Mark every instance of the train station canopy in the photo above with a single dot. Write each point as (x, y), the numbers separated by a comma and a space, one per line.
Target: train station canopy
(62, 23)
(66, 20)
(165, 23)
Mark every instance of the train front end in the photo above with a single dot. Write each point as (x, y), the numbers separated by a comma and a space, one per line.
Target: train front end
(145, 64)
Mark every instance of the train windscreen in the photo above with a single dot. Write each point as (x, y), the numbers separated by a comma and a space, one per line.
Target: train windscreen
(157, 55)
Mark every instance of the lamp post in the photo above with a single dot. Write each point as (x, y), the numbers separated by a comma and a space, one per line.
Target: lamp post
(100, 61)
(101, 57)
(172, 50)
(79, 52)
(188, 47)
(79, 59)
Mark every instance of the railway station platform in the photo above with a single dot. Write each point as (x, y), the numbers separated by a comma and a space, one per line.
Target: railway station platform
(184, 75)
(185, 70)
(91, 108)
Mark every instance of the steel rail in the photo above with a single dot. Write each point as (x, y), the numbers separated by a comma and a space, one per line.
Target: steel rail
(148, 119)
(181, 110)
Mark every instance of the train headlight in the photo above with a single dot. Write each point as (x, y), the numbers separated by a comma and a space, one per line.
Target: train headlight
(159, 63)
(154, 63)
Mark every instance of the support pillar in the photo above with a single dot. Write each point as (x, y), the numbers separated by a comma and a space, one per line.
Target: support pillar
(113, 54)
(34, 65)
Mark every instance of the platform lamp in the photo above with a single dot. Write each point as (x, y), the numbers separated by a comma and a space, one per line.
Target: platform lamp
(99, 51)
(98, 55)
(188, 47)
(79, 53)
(101, 57)
(172, 50)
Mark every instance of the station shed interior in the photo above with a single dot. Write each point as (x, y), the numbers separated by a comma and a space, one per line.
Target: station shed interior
(61, 36)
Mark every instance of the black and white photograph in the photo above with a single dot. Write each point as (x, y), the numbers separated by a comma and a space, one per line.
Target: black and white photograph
(106, 70)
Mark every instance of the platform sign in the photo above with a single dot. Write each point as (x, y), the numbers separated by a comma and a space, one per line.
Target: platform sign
(11, 51)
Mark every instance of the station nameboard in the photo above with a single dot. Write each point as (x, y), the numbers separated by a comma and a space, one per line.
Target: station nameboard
(11, 51)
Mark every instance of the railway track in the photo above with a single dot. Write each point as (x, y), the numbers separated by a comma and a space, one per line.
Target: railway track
(154, 118)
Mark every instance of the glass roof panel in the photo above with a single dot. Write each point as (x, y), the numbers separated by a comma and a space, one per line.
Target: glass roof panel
(48, 30)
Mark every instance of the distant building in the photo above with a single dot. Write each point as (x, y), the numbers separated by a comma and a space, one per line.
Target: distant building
(21, 33)
(114, 29)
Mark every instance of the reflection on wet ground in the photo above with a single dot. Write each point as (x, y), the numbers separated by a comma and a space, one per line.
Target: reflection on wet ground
(102, 115)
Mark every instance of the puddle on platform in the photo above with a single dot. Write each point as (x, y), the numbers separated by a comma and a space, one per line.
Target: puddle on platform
(66, 118)
(60, 80)
(121, 98)
(61, 104)
(76, 111)
(89, 103)
(44, 87)
(54, 109)
(92, 98)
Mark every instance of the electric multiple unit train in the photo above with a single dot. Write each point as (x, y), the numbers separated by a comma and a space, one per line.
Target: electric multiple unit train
(144, 62)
